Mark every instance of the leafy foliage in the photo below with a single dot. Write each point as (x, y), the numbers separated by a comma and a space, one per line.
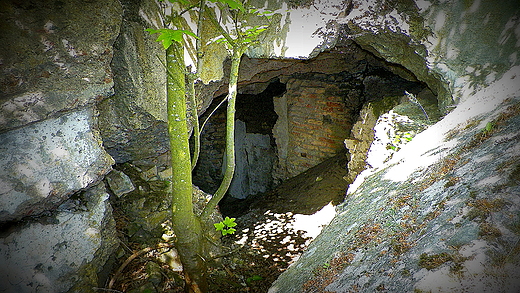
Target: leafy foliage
(398, 140)
(231, 3)
(168, 36)
(183, 2)
(254, 278)
(226, 226)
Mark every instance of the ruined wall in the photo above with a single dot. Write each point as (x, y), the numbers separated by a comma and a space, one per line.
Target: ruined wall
(322, 99)
(317, 121)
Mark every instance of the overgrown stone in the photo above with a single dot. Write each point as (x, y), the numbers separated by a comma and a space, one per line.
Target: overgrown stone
(55, 57)
(65, 252)
(44, 163)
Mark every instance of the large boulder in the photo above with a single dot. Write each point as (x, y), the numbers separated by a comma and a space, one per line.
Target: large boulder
(45, 163)
(56, 225)
(55, 57)
(62, 251)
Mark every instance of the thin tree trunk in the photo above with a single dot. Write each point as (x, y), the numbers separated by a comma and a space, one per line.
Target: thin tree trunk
(194, 116)
(193, 100)
(230, 134)
(186, 225)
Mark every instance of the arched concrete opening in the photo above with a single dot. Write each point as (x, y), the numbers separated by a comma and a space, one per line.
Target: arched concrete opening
(295, 114)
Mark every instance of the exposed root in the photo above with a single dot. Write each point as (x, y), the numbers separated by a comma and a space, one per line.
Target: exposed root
(132, 257)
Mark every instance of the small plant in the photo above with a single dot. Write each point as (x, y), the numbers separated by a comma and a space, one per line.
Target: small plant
(226, 226)
(398, 140)
(489, 126)
(254, 278)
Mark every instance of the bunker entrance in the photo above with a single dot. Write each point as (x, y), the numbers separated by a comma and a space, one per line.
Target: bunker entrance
(292, 115)
(255, 146)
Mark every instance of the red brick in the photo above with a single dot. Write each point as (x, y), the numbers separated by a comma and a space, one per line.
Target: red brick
(335, 104)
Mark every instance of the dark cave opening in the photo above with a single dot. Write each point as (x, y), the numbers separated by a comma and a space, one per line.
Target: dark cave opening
(295, 116)
(255, 147)
(257, 110)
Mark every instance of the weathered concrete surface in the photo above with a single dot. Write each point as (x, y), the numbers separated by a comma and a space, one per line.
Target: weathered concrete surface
(62, 251)
(54, 57)
(42, 164)
(255, 159)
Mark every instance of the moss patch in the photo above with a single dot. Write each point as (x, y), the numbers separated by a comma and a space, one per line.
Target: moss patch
(489, 232)
(482, 208)
(442, 169)
(326, 274)
(433, 261)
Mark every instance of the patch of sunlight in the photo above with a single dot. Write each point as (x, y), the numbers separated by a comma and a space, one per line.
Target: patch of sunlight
(313, 224)
(385, 134)
(300, 43)
(488, 181)
(444, 280)
(283, 237)
(417, 153)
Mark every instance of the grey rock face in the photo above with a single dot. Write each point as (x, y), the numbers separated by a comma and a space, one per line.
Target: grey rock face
(119, 183)
(440, 216)
(132, 122)
(44, 163)
(55, 57)
(67, 251)
(57, 230)
(254, 162)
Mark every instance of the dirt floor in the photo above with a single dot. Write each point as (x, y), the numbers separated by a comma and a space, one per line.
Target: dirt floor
(265, 244)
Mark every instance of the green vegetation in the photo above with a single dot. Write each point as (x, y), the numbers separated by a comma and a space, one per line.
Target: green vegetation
(226, 226)
(254, 278)
(431, 262)
(175, 38)
(399, 140)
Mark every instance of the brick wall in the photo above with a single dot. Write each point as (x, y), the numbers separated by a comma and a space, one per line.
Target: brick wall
(207, 174)
(314, 117)
(318, 121)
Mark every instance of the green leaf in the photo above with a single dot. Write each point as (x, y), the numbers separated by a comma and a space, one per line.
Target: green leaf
(233, 4)
(230, 231)
(489, 126)
(254, 278)
(152, 31)
(166, 43)
(183, 2)
(167, 36)
(219, 227)
(230, 222)
(220, 40)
